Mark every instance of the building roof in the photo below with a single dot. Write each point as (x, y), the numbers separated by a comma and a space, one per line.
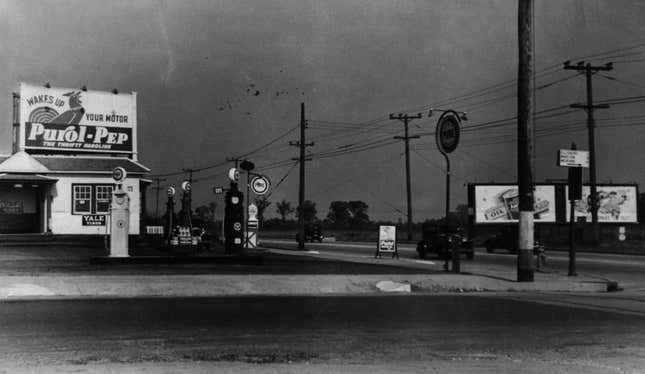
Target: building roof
(67, 164)
(22, 162)
(29, 178)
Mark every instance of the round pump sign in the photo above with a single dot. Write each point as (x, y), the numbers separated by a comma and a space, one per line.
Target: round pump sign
(447, 132)
(119, 174)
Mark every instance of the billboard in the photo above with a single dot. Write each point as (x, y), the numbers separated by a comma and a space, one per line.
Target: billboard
(75, 120)
(615, 204)
(500, 203)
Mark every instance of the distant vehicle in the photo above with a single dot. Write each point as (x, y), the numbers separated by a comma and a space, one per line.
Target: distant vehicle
(434, 241)
(313, 233)
(507, 240)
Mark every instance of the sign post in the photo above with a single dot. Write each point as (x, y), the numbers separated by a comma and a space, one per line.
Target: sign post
(575, 160)
(447, 137)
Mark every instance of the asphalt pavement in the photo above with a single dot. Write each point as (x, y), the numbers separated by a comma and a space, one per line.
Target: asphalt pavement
(293, 334)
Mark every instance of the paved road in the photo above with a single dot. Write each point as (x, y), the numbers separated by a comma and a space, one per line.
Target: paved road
(445, 333)
(628, 270)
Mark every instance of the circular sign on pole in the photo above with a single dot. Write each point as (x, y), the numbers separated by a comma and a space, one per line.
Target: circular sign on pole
(170, 191)
(260, 185)
(185, 185)
(447, 132)
(233, 174)
(119, 174)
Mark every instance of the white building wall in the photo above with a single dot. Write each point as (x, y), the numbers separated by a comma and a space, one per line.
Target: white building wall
(64, 222)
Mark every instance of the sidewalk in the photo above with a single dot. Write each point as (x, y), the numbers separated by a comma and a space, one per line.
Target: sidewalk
(285, 272)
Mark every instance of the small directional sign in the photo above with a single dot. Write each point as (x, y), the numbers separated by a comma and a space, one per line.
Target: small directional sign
(573, 158)
(218, 190)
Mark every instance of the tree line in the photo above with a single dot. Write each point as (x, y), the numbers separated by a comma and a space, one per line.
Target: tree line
(352, 213)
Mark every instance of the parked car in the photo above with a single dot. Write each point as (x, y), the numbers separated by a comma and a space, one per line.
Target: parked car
(313, 233)
(434, 241)
(507, 240)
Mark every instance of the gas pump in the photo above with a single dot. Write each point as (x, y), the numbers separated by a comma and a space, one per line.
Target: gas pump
(119, 216)
(170, 217)
(234, 216)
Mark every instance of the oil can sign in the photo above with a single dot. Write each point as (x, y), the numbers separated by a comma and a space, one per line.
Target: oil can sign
(260, 185)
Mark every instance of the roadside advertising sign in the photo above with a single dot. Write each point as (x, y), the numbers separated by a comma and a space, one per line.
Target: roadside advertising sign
(386, 240)
(500, 203)
(76, 120)
(615, 204)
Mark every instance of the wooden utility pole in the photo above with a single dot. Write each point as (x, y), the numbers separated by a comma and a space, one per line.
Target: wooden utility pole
(302, 144)
(589, 71)
(525, 263)
(406, 119)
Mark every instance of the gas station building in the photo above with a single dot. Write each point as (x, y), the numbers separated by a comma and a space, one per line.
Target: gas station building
(65, 144)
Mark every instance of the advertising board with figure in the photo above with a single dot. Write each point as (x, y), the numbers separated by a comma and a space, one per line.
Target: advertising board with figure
(500, 203)
(615, 204)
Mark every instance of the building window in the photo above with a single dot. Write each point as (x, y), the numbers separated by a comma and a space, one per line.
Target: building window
(103, 199)
(91, 198)
(82, 197)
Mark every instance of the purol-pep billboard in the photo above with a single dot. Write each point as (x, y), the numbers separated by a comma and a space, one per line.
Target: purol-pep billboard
(500, 203)
(75, 120)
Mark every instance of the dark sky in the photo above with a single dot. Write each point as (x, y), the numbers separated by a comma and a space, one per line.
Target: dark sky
(216, 79)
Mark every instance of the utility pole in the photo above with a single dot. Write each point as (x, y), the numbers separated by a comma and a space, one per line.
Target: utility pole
(525, 266)
(157, 188)
(589, 70)
(301, 190)
(406, 119)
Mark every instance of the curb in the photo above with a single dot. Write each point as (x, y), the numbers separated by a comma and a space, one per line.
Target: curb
(132, 286)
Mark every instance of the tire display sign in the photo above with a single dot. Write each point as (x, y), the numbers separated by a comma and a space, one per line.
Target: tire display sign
(260, 185)
(77, 120)
(387, 241)
(500, 204)
(386, 238)
(615, 204)
(447, 132)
